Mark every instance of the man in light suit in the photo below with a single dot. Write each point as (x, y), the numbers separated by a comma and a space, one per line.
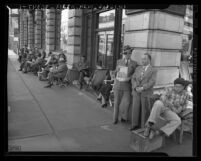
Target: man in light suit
(143, 81)
(122, 86)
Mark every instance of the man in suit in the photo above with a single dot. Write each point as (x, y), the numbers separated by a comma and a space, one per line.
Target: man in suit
(122, 85)
(59, 72)
(143, 81)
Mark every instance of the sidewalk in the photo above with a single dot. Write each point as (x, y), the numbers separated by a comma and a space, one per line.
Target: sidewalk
(65, 119)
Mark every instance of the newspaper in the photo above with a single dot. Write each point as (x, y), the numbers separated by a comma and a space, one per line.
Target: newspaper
(122, 75)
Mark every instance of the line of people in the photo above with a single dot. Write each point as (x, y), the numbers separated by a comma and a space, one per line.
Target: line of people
(52, 69)
(131, 83)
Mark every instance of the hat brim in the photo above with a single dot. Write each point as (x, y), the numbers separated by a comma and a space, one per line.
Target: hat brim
(125, 52)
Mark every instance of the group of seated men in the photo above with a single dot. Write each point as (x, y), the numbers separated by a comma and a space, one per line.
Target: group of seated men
(53, 68)
(31, 60)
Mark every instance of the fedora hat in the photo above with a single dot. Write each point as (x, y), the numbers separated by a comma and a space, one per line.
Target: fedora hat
(126, 49)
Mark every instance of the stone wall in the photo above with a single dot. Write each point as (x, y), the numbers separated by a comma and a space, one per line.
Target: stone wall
(160, 34)
(74, 36)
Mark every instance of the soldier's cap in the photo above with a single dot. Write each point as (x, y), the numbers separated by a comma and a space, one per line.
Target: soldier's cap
(126, 49)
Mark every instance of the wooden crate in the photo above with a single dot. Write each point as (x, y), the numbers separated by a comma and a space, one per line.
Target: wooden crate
(139, 143)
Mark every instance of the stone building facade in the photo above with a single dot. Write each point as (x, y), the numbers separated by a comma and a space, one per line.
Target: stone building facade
(156, 31)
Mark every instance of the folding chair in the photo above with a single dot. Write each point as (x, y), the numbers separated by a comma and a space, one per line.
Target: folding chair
(97, 78)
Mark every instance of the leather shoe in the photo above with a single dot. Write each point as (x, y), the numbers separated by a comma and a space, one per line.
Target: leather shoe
(123, 120)
(115, 122)
(98, 99)
(48, 86)
(147, 131)
(104, 105)
(153, 134)
(134, 128)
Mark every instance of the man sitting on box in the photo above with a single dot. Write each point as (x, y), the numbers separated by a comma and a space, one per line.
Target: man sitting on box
(171, 103)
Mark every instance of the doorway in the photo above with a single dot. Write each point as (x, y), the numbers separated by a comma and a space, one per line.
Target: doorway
(104, 49)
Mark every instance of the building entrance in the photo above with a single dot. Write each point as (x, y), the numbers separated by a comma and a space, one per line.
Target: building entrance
(104, 49)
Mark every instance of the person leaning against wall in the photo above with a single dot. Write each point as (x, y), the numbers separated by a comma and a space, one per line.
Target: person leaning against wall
(143, 81)
(122, 85)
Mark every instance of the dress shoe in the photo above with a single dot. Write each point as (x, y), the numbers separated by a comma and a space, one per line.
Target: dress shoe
(48, 86)
(147, 131)
(98, 99)
(134, 128)
(115, 122)
(104, 105)
(123, 120)
(153, 134)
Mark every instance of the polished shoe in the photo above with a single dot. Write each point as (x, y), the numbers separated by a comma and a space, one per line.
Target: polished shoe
(123, 120)
(147, 131)
(48, 86)
(104, 105)
(115, 122)
(153, 134)
(98, 99)
(134, 128)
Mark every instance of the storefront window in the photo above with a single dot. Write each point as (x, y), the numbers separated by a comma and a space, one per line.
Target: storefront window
(106, 19)
(104, 38)
(105, 49)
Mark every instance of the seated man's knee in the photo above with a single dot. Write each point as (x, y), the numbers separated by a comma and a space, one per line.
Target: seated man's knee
(158, 103)
(178, 120)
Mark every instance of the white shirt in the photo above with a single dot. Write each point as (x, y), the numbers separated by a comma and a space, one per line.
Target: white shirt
(146, 67)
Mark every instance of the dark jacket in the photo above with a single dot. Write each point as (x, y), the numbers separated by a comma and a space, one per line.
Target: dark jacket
(62, 69)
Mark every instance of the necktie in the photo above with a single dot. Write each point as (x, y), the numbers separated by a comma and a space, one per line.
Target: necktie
(126, 62)
(143, 71)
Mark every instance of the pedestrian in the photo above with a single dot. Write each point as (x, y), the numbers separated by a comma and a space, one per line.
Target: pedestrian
(143, 81)
(122, 85)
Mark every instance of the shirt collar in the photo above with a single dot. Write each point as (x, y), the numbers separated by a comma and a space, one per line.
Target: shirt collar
(145, 67)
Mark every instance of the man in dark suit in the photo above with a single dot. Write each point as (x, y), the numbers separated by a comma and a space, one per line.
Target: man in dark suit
(59, 72)
(122, 85)
(143, 81)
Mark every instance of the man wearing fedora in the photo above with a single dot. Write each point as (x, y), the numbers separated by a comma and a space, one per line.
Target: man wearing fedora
(143, 81)
(122, 85)
(170, 105)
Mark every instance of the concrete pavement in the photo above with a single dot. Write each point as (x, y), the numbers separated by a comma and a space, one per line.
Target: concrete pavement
(65, 119)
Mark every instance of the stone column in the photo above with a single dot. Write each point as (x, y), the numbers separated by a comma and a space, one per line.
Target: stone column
(159, 33)
(50, 30)
(58, 30)
(25, 28)
(43, 29)
(30, 31)
(21, 29)
(38, 36)
(74, 36)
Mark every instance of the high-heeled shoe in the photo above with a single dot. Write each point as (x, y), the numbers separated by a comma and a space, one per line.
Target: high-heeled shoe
(98, 99)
